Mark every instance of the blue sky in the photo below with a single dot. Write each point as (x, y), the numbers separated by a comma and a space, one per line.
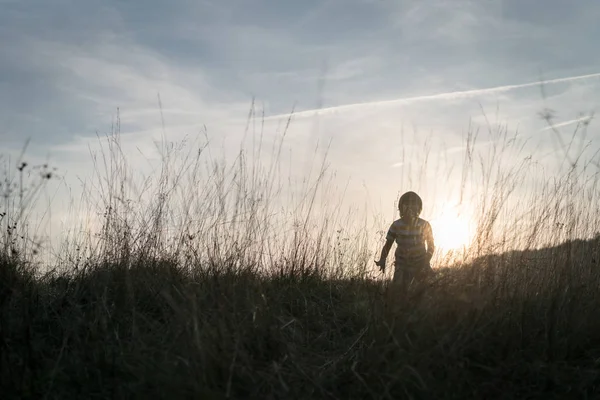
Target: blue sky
(65, 67)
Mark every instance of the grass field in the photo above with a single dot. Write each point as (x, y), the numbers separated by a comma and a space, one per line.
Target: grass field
(232, 305)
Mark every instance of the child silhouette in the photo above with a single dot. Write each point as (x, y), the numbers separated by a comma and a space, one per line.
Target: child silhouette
(414, 242)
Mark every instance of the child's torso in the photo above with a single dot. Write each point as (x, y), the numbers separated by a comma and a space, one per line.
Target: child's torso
(410, 239)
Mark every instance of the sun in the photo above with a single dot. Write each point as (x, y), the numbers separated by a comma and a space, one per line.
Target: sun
(451, 232)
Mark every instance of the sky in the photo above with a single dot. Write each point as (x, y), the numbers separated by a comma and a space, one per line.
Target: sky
(378, 81)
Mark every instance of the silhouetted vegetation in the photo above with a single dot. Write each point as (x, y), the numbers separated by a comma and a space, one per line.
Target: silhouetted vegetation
(226, 307)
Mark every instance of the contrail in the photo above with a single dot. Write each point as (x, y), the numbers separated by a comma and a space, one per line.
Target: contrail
(438, 96)
(565, 123)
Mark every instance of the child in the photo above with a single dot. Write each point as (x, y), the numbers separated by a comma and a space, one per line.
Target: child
(414, 240)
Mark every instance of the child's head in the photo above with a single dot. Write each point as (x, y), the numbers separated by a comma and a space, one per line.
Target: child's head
(410, 206)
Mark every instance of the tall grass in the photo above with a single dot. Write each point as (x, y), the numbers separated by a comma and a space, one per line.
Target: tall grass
(216, 279)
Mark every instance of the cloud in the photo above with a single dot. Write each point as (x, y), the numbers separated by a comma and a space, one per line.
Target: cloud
(282, 54)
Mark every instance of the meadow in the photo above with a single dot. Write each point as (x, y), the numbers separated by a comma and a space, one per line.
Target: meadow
(227, 291)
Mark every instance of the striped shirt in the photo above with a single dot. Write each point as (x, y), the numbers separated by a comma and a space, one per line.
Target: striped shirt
(412, 242)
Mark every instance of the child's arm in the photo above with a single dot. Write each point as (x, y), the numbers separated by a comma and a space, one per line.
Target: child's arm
(384, 253)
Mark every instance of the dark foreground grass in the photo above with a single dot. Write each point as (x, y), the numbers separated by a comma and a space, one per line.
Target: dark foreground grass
(513, 326)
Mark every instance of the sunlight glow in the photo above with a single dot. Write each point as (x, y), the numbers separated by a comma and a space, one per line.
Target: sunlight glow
(451, 232)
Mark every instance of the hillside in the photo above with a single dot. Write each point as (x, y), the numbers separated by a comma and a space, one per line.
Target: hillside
(153, 329)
